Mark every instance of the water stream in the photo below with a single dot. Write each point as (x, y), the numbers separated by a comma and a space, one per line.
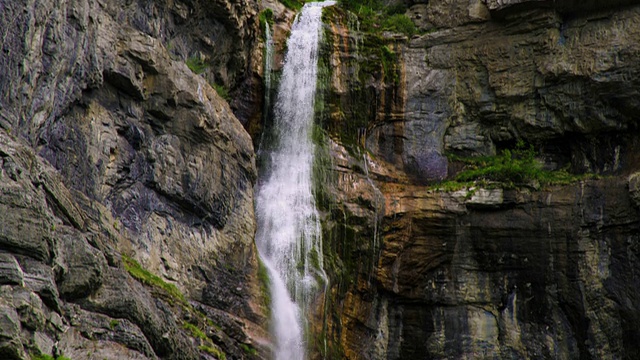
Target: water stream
(289, 234)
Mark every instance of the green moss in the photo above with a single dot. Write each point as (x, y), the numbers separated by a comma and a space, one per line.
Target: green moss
(113, 323)
(221, 90)
(389, 61)
(42, 357)
(266, 17)
(195, 331)
(215, 351)
(146, 277)
(196, 65)
(292, 4)
(249, 349)
(265, 283)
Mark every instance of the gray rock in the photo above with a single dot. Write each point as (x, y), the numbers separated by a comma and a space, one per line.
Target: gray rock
(39, 278)
(634, 188)
(10, 271)
(122, 297)
(109, 143)
(30, 308)
(84, 265)
(10, 342)
(43, 343)
(486, 198)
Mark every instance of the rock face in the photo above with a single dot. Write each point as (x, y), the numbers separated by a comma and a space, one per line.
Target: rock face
(484, 272)
(110, 145)
(538, 275)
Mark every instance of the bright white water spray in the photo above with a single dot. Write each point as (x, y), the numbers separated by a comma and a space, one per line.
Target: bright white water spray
(289, 236)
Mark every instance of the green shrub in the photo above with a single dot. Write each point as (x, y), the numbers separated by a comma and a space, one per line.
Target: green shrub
(146, 277)
(374, 16)
(516, 167)
(196, 65)
(513, 167)
(399, 23)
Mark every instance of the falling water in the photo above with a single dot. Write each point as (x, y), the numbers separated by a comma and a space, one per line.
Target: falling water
(289, 236)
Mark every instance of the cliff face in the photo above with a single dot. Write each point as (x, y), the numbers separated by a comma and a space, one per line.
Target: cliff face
(110, 145)
(484, 272)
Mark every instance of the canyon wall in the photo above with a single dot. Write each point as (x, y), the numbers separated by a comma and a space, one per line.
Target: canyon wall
(484, 271)
(127, 181)
(111, 145)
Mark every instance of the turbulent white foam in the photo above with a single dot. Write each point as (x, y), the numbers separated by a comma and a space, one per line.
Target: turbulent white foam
(289, 238)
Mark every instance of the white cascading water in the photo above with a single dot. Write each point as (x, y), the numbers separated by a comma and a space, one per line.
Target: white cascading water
(289, 236)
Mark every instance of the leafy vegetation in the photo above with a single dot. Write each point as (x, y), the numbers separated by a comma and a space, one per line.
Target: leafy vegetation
(221, 90)
(375, 16)
(196, 65)
(293, 4)
(511, 168)
(146, 277)
(266, 17)
(399, 23)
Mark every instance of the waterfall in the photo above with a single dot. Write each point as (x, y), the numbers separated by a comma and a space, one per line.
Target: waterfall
(289, 233)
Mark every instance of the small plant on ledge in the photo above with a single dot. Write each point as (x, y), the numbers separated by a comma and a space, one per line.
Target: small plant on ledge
(196, 65)
(510, 169)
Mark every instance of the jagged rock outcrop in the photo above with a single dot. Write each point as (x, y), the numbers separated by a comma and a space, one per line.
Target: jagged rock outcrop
(484, 272)
(111, 145)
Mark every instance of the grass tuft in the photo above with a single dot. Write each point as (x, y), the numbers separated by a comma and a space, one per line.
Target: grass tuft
(213, 351)
(249, 349)
(194, 331)
(196, 65)
(221, 90)
(146, 277)
(511, 168)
